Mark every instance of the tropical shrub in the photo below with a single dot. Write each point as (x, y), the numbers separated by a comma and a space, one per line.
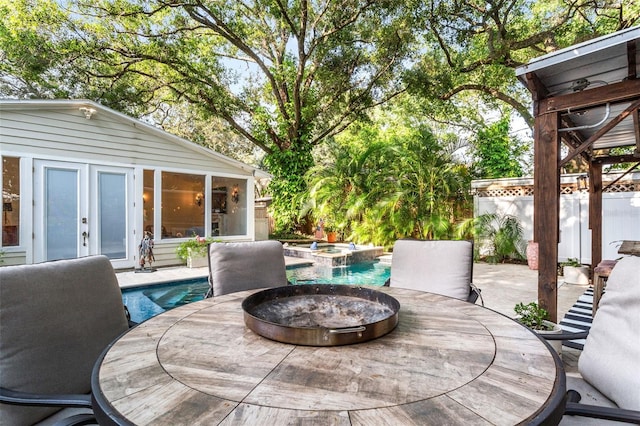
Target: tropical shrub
(498, 237)
(381, 184)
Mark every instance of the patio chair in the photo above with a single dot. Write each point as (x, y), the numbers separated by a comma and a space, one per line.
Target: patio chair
(55, 320)
(609, 364)
(437, 266)
(245, 266)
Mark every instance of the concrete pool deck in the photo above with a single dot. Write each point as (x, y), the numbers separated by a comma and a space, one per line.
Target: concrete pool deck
(177, 273)
(502, 285)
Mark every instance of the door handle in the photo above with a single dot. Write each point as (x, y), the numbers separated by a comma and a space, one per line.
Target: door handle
(85, 235)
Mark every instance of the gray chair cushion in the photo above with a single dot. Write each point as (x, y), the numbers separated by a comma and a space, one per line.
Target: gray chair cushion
(55, 320)
(245, 266)
(610, 360)
(443, 267)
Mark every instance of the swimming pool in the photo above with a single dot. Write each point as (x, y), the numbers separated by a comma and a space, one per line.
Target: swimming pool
(148, 301)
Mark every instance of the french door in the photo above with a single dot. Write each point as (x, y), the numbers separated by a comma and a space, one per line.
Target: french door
(82, 209)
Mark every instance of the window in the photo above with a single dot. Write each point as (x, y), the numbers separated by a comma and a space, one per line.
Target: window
(228, 206)
(10, 201)
(148, 199)
(183, 205)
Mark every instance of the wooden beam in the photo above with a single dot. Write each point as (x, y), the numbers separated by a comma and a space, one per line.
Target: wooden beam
(616, 159)
(631, 60)
(623, 91)
(629, 170)
(601, 132)
(573, 139)
(595, 212)
(546, 208)
(636, 130)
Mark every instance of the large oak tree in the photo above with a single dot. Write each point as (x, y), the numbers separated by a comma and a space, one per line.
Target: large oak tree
(288, 74)
(283, 74)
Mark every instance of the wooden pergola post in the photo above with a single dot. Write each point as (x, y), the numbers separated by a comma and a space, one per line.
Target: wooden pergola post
(595, 212)
(546, 208)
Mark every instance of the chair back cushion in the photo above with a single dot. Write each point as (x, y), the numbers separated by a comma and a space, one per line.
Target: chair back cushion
(438, 266)
(55, 320)
(245, 266)
(610, 360)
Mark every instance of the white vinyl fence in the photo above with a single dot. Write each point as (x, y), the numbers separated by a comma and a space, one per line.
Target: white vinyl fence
(620, 215)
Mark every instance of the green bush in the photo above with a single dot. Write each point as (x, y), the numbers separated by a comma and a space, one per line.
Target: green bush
(196, 246)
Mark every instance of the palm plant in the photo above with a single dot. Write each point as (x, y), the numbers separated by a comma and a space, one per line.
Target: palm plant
(499, 236)
(385, 186)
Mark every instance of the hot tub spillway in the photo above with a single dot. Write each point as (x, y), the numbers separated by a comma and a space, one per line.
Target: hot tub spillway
(334, 255)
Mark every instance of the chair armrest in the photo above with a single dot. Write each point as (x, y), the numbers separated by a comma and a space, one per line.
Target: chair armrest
(474, 293)
(574, 408)
(606, 413)
(8, 396)
(567, 335)
(387, 283)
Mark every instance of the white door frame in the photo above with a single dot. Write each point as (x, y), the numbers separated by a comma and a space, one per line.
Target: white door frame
(87, 209)
(94, 212)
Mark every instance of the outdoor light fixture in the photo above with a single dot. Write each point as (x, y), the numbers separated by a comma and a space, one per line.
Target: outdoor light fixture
(88, 112)
(583, 183)
(199, 198)
(235, 194)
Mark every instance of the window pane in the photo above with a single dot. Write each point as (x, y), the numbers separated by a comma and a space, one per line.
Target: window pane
(228, 206)
(113, 215)
(148, 201)
(61, 216)
(10, 201)
(182, 205)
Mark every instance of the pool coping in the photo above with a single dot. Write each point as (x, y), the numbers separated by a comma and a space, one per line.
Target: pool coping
(129, 278)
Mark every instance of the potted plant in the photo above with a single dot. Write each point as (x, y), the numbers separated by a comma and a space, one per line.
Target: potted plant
(332, 235)
(194, 251)
(574, 272)
(537, 318)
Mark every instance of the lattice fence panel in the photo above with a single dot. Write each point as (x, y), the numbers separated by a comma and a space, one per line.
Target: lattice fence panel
(519, 191)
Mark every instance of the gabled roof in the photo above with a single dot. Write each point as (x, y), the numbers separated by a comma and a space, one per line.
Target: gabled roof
(16, 105)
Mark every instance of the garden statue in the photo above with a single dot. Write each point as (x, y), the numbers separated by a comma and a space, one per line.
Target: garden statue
(146, 251)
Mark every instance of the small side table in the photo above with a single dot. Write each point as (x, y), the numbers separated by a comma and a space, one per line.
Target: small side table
(600, 275)
(630, 247)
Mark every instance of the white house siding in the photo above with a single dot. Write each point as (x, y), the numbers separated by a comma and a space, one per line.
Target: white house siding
(620, 215)
(106, 137)
(59, 131)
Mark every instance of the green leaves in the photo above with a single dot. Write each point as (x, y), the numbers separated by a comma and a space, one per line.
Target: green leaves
(387, 182)
(498, 237)
(498, 154)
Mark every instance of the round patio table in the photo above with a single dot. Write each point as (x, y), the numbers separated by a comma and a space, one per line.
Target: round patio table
(447, 362)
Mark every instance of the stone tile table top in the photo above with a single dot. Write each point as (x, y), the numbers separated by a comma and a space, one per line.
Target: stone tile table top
(447, 361)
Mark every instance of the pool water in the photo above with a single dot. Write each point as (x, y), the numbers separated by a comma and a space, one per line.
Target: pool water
(372, 273)
(148, 301)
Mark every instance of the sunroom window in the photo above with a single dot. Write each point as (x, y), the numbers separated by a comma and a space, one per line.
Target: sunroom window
(10, 201)
(183, 205)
